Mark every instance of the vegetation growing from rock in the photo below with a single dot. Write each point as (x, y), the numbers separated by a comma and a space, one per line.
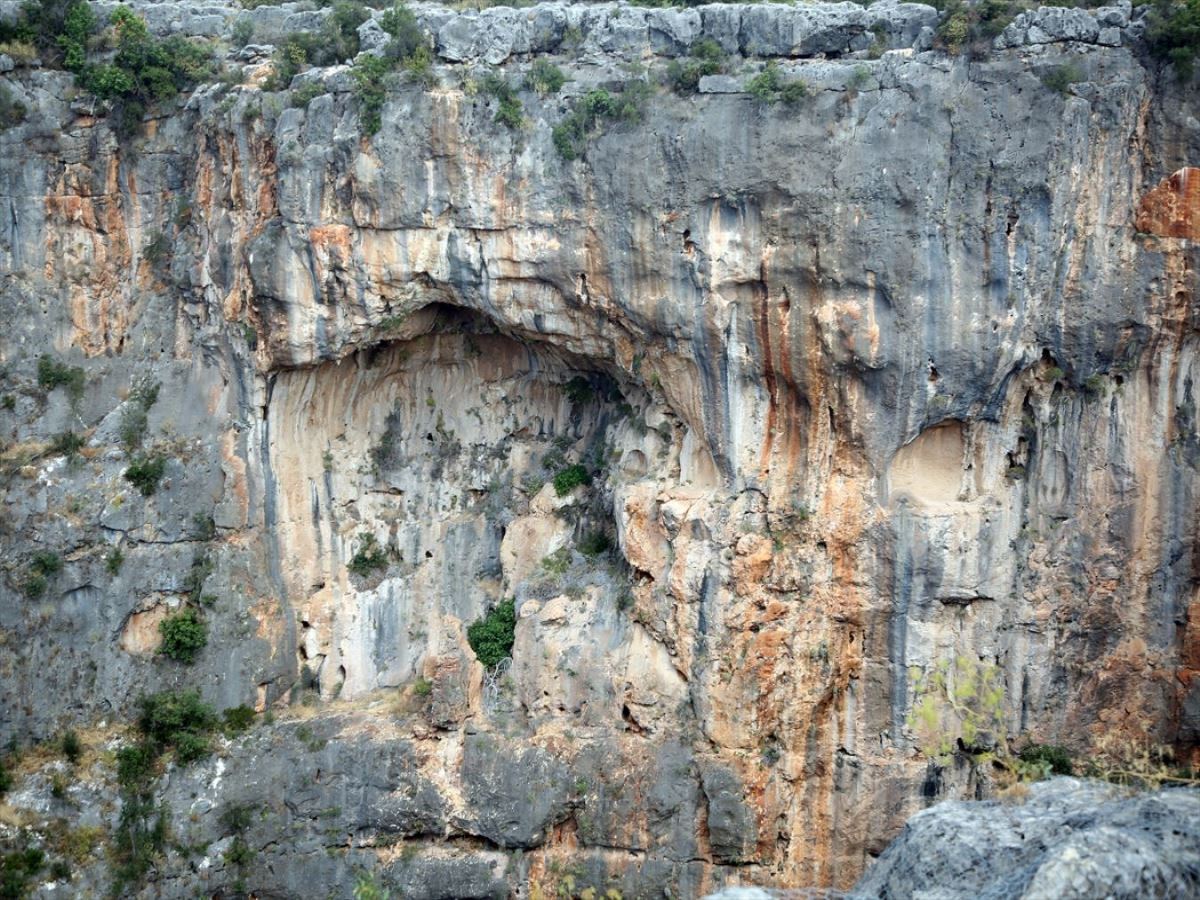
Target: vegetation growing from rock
(184, 635)
(66, 443)
(705, 58)
(407, 50)
(1173, 33)
(566, 480)
(18, 870)
(135, 414)
(492, 636)
(72, 747)
(1048, 759)
(1060, 78)
(334, 42)
(146, 472)
(177, 720)
(369, 557)
(544, 77)
(769, 86)
(53, 374)
(594, 112)
(957, 706)
(510, 112)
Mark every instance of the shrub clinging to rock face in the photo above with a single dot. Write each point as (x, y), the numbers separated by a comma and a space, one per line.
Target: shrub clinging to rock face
(184, 635)
(492, 636)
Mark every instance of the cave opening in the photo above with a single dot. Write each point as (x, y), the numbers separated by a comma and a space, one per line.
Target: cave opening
(482, 465)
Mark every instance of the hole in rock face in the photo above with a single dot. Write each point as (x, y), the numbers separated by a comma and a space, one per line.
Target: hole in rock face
(461, 440)
(930, 467)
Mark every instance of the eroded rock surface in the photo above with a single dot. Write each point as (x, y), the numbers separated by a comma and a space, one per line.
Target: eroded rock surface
(903, 374)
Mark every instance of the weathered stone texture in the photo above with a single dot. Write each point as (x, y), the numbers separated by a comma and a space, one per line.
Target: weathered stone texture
(901, 374)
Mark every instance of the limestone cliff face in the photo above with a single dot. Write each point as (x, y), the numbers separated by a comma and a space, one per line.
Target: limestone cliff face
(901, 374)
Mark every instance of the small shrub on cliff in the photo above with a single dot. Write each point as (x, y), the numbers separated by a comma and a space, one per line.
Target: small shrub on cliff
(5, 779)
(46, 562)
(570, 478)
(977, 25)
(1048, 759)
(769, 86)
(237, 719)
(706, 58)
(492, 636)
(594, 112)
(1060, 78)
(369, 557)
(18, 872)
(184, 635)
(545, 78)
(510, 112)
(66, 443)
(178, 720)
(371, 74)
(72, 747)
(53, 374)
(306, 93)
(145, 473)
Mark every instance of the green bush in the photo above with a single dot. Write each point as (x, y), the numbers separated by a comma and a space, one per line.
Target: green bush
(558, 562)
(1060, 78)
(544, 77)
(406, 35)
(145, 69)
(184, 635)
(594, 544)
(594, 112)
(422, 687)
(769, 86)
(135, 763)
(306, 93)
(114, 560)
(6, 779)
(579, 391)
(34, 587)
(510, 112)
(46, 562)
(369, 74)
(72, 747)
(178, 720)
(492, 636)
(706, 58)
(243, 33)
(18, 870)
(146, 472)
(570, 478)
(1173, 33)
(1053, 759)
(66, 443)
(369, 558)
(238, 719)
(53, 374)
(979, 24)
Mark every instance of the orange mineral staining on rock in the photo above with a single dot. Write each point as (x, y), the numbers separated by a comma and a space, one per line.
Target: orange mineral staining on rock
(1172, 209)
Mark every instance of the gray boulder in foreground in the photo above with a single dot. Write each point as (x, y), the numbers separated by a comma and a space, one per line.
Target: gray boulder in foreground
(1069, 839)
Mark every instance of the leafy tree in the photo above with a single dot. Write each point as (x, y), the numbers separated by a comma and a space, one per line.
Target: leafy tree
(184, 635)
(492, 636)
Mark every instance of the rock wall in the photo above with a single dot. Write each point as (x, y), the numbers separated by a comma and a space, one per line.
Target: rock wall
(902, 374)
